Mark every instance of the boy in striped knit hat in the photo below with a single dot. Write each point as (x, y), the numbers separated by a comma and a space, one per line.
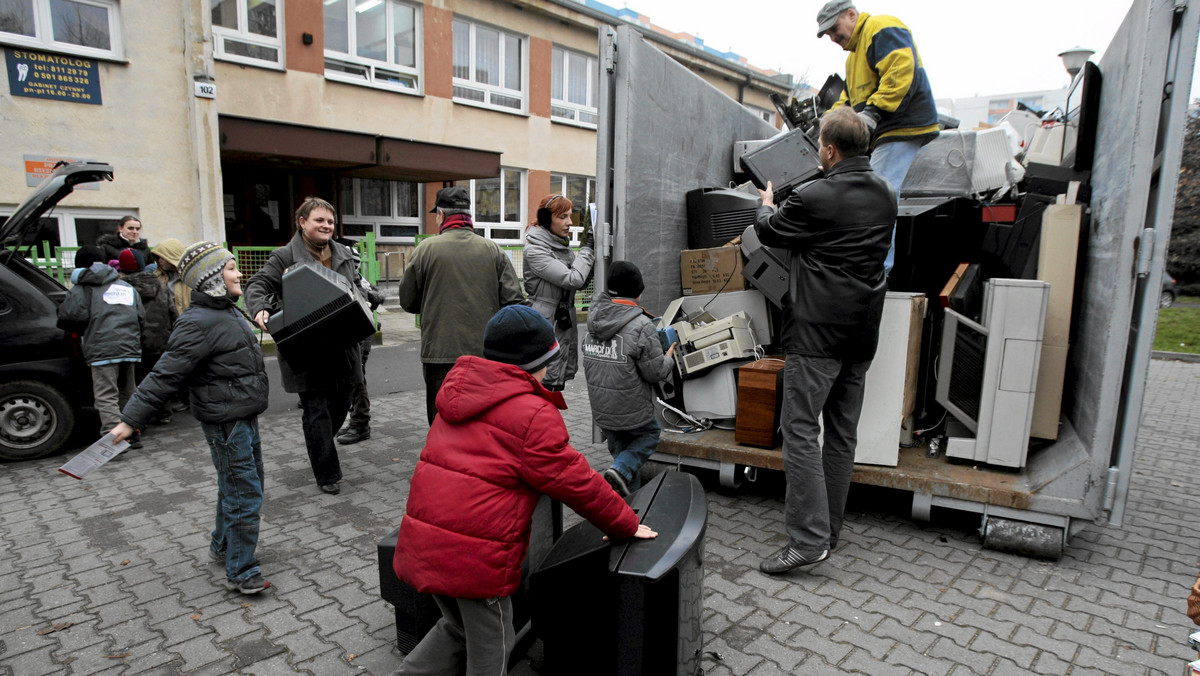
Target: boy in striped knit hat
(213, 351)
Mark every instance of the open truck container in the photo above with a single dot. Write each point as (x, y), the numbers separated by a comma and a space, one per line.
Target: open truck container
(664, 131)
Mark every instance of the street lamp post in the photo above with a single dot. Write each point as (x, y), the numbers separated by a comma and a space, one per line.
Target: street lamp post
(1074, 58)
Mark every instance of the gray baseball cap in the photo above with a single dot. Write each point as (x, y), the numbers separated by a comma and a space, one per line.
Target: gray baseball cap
(829, 14)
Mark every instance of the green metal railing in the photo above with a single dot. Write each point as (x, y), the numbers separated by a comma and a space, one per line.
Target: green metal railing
(58, 261)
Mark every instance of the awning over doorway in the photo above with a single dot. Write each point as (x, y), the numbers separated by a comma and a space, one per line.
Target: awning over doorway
(290, 146)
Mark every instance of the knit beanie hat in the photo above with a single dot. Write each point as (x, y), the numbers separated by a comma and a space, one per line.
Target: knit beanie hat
(130, 261)
(625, 280)
(200, 267)
(88, 255)
(518, 335)
(169, 250)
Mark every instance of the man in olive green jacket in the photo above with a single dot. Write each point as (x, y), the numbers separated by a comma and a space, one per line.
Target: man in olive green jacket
(456, 282)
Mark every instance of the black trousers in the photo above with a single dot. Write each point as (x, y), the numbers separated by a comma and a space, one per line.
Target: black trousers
(434, 375)
(323, 415)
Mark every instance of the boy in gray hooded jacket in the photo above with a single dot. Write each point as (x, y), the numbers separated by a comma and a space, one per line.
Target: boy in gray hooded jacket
(622, 359)
(108, 313)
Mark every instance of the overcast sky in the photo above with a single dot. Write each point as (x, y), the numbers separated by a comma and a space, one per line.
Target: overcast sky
(968, 48)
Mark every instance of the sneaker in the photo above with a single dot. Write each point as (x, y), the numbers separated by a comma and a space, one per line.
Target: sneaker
(353, 435)
(251, 585)
(163, 419)
(614, 479)
(332, 489)
(219, 557)
(135, 441)
(788, 558)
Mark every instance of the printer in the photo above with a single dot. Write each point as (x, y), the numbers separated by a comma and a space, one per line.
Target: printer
(705, 341)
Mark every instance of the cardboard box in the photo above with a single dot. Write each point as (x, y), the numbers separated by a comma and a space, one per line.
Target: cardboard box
(711, 270)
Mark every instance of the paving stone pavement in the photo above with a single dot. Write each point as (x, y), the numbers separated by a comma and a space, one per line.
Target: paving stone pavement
(111, 575)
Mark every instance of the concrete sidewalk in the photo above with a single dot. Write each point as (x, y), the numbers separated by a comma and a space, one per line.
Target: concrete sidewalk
(111, 574)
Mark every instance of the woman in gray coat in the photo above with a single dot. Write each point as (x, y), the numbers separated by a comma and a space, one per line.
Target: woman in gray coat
(553, 273)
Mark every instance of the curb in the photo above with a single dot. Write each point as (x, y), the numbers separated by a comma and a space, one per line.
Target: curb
(1176, 356)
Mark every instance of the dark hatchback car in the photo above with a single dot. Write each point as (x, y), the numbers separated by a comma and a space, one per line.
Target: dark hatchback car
(1167, 297)
(45, 388)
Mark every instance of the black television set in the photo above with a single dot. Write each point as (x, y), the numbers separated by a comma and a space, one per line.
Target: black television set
(716, 215)
(321, 311)
(629, 608)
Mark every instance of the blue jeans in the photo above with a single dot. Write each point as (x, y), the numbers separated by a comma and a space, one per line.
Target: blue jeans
(237, 456)
(891, 160)
(630, 449)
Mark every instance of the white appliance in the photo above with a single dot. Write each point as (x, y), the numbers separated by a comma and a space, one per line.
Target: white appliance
(987, 373)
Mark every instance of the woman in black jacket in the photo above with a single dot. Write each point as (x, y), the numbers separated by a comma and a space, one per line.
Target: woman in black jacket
(324, 381)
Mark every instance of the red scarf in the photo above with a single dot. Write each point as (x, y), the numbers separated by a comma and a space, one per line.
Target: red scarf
(456, 221)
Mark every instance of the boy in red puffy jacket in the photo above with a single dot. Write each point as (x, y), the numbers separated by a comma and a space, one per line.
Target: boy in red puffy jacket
(498, 442)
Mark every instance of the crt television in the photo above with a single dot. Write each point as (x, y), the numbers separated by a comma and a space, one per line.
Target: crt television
(717, 215)
(321, 311)
(629, 608)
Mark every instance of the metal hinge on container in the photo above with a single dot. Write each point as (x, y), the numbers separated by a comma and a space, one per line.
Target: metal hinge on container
(1145, 252)
(610, 52)
(1110, 489)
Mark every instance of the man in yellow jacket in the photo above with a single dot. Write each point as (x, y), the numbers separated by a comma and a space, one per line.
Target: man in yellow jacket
(886, 85)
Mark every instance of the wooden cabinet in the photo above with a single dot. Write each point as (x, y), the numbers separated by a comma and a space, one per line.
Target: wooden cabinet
(759, 401)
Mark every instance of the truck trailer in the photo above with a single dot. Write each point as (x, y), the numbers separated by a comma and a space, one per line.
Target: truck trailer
(663, 132)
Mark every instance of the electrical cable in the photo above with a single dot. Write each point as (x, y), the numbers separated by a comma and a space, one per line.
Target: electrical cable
(694, 424)
(737, 254)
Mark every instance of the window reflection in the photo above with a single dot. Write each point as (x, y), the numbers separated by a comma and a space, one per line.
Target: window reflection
(80, 24)
(16, 16)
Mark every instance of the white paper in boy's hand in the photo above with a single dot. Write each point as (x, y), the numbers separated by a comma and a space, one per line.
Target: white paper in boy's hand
(93, 456)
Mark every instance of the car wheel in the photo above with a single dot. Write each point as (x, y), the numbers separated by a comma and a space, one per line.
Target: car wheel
(1167, 299)
(35, 420)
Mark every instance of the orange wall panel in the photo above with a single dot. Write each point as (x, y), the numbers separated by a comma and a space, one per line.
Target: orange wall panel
(300, 17)
(539, 187)
(439, 51)
(540, 51)
(431, 200)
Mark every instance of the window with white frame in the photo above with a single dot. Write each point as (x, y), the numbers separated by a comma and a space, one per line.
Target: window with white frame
(375, 42)
(390, 209)
(574, 78)
(768, 116)
(496, 205)
(81, 27)
(74, 226)
(489, 67)
(581, 190)
(248, 31)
